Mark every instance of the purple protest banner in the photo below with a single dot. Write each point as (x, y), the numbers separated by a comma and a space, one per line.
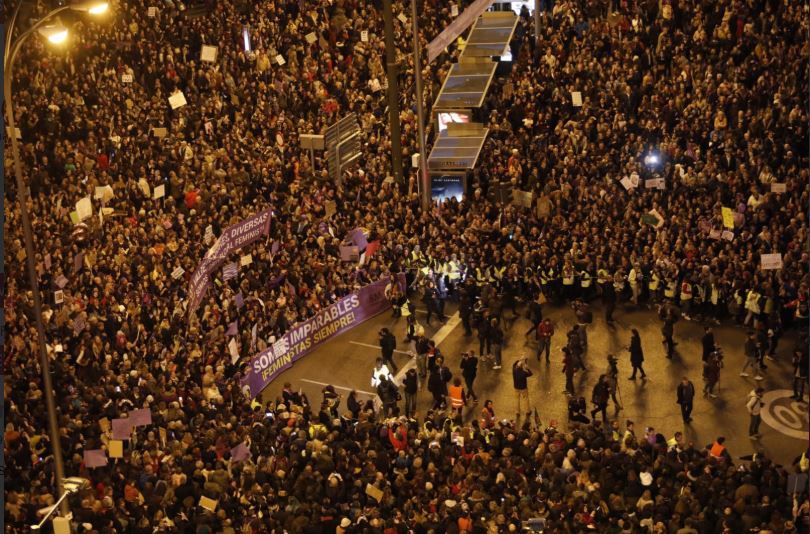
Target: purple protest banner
(95, 458)
(121, 429)
(233, 238)
(142, 417)
(304, 337)
(239, 300)
(240, 453)
(233, 329)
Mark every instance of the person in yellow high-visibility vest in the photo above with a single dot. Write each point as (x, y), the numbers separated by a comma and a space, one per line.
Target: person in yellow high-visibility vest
(458, 397)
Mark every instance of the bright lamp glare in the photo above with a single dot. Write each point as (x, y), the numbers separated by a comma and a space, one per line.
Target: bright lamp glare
(652, 159)
(58, 37)
(99, 8)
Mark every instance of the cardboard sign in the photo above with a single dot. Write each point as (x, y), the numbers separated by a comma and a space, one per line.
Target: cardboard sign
(141, 417)
(728, 236)
(728, 217)
(143, 185)
(364, 36)
(778, 188)
(453, 10)
(208, 504)
(311, 37)
(177, 273)
(543, 207)
(59, 297)
(121, 429)
(160, 192)
(177, 100)
(104, 193)
(522, 198)
(331, 208)
(126, 78)
(715, 234)
(115, 448)
(374, 492)
(209, 53)
(160, 133)
(653, 218)
(95, 458)
(349, 253)
(627, 183)
(247, 259)
(576, 99)
(280, 59)
(402, 18)
(84, 208)
(771, 261)
(151, 12)
(655, 183)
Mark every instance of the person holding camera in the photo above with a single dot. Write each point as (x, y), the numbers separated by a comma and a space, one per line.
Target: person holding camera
(520, 374)
(754, 407)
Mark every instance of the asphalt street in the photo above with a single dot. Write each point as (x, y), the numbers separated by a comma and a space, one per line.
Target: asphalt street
(346, 363)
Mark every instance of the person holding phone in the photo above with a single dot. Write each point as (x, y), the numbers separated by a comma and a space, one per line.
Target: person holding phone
(520, 374)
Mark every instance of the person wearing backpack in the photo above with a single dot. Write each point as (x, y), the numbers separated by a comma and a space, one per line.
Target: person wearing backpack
(388, 342)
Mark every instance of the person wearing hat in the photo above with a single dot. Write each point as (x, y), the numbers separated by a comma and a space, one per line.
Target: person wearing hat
(754, 407)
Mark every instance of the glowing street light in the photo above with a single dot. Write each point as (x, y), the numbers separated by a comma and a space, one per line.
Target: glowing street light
(54, 33)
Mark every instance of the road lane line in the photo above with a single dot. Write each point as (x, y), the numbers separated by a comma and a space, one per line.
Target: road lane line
(337, 387)
(376, 347)
(441, 334)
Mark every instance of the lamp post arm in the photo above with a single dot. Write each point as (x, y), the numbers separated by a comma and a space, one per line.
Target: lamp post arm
(13, 49)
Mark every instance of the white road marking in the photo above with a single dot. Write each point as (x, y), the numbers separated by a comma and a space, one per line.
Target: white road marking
(440, 335)
(337, 387)
(376, 347)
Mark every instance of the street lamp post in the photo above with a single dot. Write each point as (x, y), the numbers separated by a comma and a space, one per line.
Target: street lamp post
(10, 53)
(420, 114)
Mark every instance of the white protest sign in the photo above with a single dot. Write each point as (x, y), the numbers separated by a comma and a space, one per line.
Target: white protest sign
(126, 78)
(778, 188)
(655, 183)
(233, 350)
(364, 36)
(16, 130)
(453, 10)
(402, 18)
(576, 99)
(280, 59)
(160, 192)
(84, 208)
(771, 261)
(727, 235)
(209, 53)
(627, 183)
(59, 296)
(177, 273)
(151, 12)
(246, 260)
(209, 234)
(177, 100)
(104, 193)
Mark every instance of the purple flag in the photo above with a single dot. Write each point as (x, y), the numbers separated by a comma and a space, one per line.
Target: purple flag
(142, 417)
(233, 329)
(359, 238)
(304, 337)
(95, 458)
(121, 429)
(240, 453)
(239, 300)
(275, 282)
(274, 247)
(78, 260)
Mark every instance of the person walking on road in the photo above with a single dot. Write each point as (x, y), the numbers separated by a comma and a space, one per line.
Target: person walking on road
(609, 301)
(711, 374)
(520, 374)
(422, 348)
(570, 367)
(708, 342)
(751, 357)
(458, 397)
(411, 385)
(496, 338)
(686, 398)
(488, 415)
(600, 397)
(800, 364)
(636, 355)
(545, 330)
(667, 331)
(469, 370)
(388, 343)
(754, 407)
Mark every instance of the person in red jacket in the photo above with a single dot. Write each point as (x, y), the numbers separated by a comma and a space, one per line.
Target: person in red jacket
(545, 330)
(398, 435)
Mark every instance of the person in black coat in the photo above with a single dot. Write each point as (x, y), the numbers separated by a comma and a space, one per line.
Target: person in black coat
(609, 301)
(708, 342)
(411, 385)
(667, 331)
(636, 355)
(469, 370)
(576, 410)
(387, 345)
(600, 397)
(439, 377)
(686, 396)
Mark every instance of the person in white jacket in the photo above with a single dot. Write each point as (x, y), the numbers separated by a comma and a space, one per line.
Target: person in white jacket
(754, 406)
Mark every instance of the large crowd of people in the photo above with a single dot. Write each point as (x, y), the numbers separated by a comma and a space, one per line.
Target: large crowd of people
(708, 96)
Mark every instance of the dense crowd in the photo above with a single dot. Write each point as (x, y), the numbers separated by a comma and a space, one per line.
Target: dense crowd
(715, 92)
